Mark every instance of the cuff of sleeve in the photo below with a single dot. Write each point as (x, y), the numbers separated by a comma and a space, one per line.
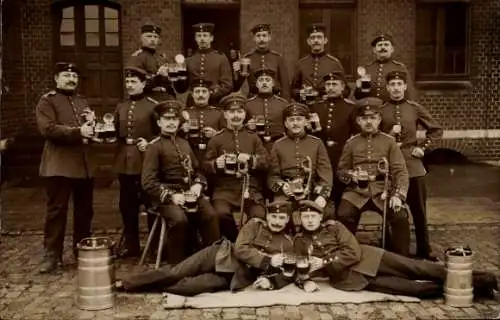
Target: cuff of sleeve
(277, 186)
(323, 191)
(426, 144)
(265, 263)
(400, 194)
(345, 178)
(332, 266)
(165, 195)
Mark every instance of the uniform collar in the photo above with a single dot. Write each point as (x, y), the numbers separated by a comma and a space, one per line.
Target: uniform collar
(235, 130)
(205, 51)
(397, 101)
(136, 97)
(150, 50)
(384, 61)
(261, 51)
(66, 92)
(370, 135)
(296, 137)
(333, 99)
(265, 95)
(319, 54)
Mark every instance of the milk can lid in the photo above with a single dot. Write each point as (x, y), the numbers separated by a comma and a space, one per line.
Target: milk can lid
(94, 243)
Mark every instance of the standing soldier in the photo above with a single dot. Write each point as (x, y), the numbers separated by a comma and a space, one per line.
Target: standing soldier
(158, 86)
(135, 123)
(337, 119)
(372, 77)
(401, 118)
(309, 71)
(238, 157)
(300, 167)
(363, 167)
(67, 163)
(263, 58)
(266, 109)
(209, 64)
(171, 176)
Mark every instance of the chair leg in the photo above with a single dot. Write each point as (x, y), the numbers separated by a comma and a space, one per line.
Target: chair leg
(162, 241)
(148, 243)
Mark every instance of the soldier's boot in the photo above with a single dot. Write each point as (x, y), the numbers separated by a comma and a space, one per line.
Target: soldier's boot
(49, 263)
(485, 284)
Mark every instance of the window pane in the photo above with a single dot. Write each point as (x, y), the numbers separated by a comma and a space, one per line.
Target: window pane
(426, 42)
(307, 17)
(110, 13)
(112, 40)
(342, 36)
(91, 25)
(68, 12)
(111, 25)
(67, 25)
(92, 39)
(455, 42)
(67, 39)
(92, 12)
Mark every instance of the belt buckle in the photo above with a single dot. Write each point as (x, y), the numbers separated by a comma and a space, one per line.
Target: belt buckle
(330, 143)
(202, 146)
(129, 141)
(267, 138)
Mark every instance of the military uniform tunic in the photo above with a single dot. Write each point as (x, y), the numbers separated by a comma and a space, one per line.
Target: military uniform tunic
(310, 70)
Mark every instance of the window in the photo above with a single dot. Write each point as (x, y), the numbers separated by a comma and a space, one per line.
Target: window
(442, 44)
(67, 29)
(341, 32)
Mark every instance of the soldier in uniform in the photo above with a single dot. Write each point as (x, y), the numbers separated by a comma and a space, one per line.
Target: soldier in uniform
(136, 126)
(68, 163)
(170, 170)
(267, 108)
(288, 156)
(236, 188)
(336, 254)
(401, 118)
(337, 118)
(263, 58)
(360, 168)
(255, 258)
(377, 70)
(310, 70)
(158, 85)
(209, 64)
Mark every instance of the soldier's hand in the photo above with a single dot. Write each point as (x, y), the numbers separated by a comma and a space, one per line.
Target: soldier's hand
(244, 157)
(220, 161)
(396, 129)
(417, 152)
(87, 130)
(316, 263)
(163, 71)
(209, 132)
(320, 201)
(142, 144)
(236, 66)
(304, 92)
(277, 260)
(262, 283)
(310, 286)
(251, 124)
(196, 188)
(286, 189)
(185, 127)
(178, 199)
(395, 203)
(354, 175)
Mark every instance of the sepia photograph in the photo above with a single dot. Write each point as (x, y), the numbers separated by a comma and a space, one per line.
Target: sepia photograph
(249, 159)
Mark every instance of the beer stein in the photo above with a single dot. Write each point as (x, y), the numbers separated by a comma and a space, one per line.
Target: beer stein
(311, 95)
(190, 201)
(365, 78)
(108, 128)
(260, 124)
(231, 163)
(173, 73)
(88, 115)
(194, 128)
(180, 60)
(289, 265)
(245, 67)
(363, 179)
(315, 123)
(303, 267)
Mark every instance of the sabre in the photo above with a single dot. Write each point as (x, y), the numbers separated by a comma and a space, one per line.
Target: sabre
(383, 167)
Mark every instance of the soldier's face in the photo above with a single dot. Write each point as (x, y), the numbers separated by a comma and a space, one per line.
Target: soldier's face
(235, 117)
(334, 88)
(169, 124)
(277, 221)
(134, 85)
(204, 39)
(201, 95)
(265, 84)
(317, 41)
(383, 49)
(310, 220)
(396, 89)
(66, 80)
(262, 39)
(150, 40)
(296, 124)
(369, 122)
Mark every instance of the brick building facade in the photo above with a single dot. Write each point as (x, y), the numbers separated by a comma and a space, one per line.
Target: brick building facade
(452, 48)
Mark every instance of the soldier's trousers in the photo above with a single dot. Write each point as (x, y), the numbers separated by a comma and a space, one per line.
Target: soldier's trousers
(224, 209)
(196, 274)
(398, 239)
(417, 201)
(59, 190)
(405, 276)
(182, 224)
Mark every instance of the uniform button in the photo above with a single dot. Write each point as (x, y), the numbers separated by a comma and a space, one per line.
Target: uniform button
(329, 120)
(329, 115)
(328, 127)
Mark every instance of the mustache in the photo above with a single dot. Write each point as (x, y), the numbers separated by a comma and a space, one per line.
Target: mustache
(73, 83)
(382, 50)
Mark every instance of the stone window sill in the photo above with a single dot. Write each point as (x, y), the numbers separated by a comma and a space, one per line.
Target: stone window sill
(443, 85)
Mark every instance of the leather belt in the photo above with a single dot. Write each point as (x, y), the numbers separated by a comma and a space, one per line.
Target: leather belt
(130, 141)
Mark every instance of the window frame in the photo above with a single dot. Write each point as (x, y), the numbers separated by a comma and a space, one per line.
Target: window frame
(439, 6)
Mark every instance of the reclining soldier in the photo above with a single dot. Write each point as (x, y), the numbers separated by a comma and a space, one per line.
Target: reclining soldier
(255, 258)
(335, 253)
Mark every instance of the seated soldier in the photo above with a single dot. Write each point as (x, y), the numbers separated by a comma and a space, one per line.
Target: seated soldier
(260, 248)
(299, 166)
(335, 253)
(171, 177)
(367, 159)
(238, 157)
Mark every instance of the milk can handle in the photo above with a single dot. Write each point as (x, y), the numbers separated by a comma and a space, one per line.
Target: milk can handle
(106, 240)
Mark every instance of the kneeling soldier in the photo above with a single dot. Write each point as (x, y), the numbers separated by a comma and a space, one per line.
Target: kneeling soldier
(238, 157)
(335, 253)
(171, 176)
(367, 159)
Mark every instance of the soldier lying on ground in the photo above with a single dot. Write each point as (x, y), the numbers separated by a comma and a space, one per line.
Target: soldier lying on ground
(256, 257)
(335, 253)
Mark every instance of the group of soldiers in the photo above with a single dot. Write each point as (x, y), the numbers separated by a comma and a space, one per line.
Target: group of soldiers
(298, 158)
